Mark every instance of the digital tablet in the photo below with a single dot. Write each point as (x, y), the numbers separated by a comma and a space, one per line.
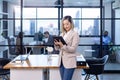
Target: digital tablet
(60, 38)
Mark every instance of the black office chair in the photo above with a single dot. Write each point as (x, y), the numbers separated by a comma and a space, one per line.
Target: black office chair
(4, 73)
(96, 67)
(11, 47)
(38, 37)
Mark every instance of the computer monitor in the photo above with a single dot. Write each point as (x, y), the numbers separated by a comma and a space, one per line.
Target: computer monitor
(38, 37)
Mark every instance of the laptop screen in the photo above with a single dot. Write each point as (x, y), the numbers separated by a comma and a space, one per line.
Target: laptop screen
(23, 57)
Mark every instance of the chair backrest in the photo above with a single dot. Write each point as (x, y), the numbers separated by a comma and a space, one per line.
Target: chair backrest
(104, 59)
(101, 61)
(3, 62)
(96, 65)
(11, 45)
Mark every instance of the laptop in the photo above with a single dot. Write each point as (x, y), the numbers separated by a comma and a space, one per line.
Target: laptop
(23, 57)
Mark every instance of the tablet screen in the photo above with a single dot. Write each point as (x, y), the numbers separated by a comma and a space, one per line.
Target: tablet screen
(59, 38)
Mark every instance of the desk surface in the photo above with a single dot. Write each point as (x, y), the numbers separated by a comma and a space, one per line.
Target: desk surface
(38, 61)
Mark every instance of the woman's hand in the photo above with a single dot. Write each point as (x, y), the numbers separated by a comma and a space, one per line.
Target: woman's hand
(58, 43)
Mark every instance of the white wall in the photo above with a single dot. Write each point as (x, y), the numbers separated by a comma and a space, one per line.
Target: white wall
(117, 26)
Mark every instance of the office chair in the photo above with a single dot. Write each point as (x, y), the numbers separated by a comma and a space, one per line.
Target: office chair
(38, 37)
(96, 67)
(4, 73)
(11, 47)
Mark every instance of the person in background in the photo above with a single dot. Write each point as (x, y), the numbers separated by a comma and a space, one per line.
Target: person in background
(105, 38)
(48, 39)
(20, 49)
(67, 52)
(105, 41)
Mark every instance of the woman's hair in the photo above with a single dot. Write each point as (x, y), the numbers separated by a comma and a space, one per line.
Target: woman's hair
(69, 18)
(20, 34)
(46, 32)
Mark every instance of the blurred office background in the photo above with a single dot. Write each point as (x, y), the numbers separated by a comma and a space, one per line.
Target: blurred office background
(91, 19)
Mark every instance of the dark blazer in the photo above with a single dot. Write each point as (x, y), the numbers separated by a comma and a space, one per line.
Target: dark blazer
(50, 41)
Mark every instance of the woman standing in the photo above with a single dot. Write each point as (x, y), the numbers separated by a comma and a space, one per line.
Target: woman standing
(67, 52)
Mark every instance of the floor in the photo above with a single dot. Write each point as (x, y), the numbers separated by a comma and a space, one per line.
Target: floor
(112, 66)
(106, 77)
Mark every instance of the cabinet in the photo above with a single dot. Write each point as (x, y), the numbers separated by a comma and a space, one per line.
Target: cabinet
(3, 28)
(3, 31)
(3, 25)
(4, 19)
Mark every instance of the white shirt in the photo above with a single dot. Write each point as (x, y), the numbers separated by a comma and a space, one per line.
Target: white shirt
(66, 34)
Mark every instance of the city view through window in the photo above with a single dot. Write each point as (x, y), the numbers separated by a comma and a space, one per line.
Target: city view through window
(86, 20)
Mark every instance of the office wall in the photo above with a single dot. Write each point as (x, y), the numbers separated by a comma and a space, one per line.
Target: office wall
(117, 27)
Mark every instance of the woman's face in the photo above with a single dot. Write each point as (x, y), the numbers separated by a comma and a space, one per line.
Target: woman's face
(66, 25)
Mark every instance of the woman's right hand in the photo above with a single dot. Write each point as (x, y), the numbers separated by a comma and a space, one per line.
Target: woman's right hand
(58, 43)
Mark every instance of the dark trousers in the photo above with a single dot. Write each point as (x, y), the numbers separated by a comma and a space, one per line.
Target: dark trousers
(66, 74)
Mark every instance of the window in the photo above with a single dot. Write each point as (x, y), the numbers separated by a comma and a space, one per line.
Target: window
(86, 20)
(37, 19)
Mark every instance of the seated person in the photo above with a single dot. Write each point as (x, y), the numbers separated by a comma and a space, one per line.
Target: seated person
(105, 38)
(48, 39)
(105, 41)
(20, 49)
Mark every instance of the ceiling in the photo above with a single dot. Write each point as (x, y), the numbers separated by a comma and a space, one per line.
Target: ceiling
(66, 2)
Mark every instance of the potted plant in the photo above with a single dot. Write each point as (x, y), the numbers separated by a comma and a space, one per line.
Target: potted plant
(3, 35)
(113, 52)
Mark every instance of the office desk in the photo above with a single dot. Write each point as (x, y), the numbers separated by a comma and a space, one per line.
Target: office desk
(34, 66)
(54, 72)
